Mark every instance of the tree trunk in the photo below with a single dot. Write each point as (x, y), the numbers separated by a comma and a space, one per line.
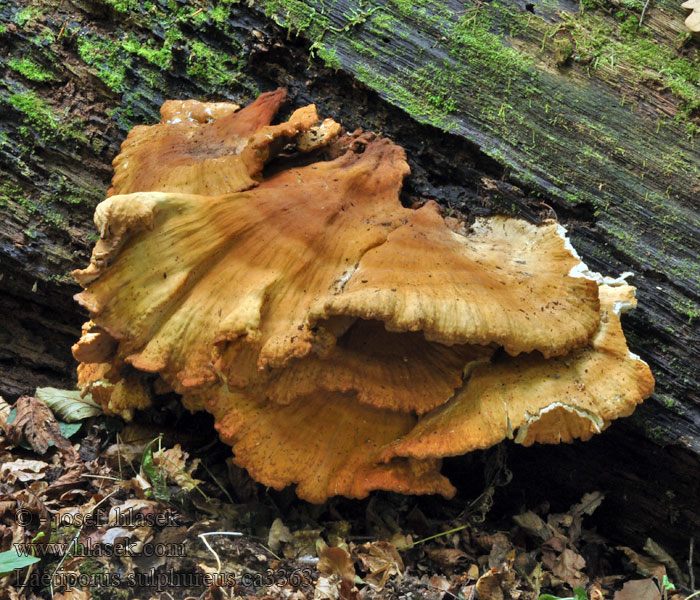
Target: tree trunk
(503, 107)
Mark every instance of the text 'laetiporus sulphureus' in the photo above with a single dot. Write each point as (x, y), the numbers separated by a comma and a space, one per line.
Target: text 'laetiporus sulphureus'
(270, 275)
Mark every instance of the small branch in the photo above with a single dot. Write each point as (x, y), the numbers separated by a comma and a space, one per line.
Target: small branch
(644, 10)
(691, 571)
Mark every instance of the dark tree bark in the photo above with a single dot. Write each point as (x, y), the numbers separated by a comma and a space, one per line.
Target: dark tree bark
(503, 107)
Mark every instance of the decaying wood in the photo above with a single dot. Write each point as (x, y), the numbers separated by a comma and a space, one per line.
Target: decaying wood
(503, 107)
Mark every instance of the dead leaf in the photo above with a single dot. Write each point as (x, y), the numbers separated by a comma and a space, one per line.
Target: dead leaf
(23, 470)
(500, 550)
(336, 561)
(588, 504)
(596, 592)
(534, 525)
(174, 463)
(645, 566)
(567, 567)
(658, 553)
(488, 587)
(381, 560)
(639, 589)
(134, 512)
(332, 587)
(337, 580)
(5, 410)
(446, 557)
(279, 534)
(35, 422)
(440, 583)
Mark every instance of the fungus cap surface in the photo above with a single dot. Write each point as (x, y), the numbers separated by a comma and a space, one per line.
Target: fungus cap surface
(343, 342)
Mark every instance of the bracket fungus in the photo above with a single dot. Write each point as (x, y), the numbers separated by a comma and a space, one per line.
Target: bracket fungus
(692, 21)
(270, 275)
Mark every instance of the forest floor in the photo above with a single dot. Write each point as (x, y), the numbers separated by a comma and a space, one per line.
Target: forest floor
(124, 511)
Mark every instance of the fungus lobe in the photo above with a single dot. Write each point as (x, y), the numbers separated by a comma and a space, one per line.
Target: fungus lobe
(342, 342)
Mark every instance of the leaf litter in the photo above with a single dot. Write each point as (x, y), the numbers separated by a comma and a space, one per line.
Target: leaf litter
(154, 511)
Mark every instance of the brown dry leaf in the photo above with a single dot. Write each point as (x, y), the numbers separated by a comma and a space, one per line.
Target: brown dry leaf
(488, 587)
(381, 560)
(36, 423)
(337, 578)
(132, 511)
(534, 525)
(5, 410)
(173, 462)
(567, 566)
(336, 561)
(639, 589)
(440, 583)
(595, 592)
(501, 552)
(588, 504)
(23, 470)
(645, 566)
(446, 557)
(279, 534)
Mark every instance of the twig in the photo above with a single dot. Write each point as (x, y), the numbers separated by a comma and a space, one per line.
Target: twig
(100, 477)
(432, 537)
(641, 17)
(221, 487)
(216, 556)
(691, 571)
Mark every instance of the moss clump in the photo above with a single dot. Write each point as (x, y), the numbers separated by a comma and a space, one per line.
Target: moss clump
(40, 116)
(26, 15)
(160, 57)
(123, 6)
(563, 49)
(298, 17)
(609, 49)
(30, 70)
(329, 56)
(687, 308)
(106, 59)
(211, 66)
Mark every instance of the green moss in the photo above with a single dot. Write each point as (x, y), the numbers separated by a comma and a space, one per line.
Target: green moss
(40, 116)
(106, 60)
(363, 49)
(211, 66)
(329, 57)
(298, 17)
(687, 308)
(123, 6)
(160, 57)
(30, 13)
(30, 70)
(417, 97)
(563, 49)
(472, 41)
(604, 47)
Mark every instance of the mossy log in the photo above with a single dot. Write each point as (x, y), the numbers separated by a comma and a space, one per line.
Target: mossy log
(534, 108)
